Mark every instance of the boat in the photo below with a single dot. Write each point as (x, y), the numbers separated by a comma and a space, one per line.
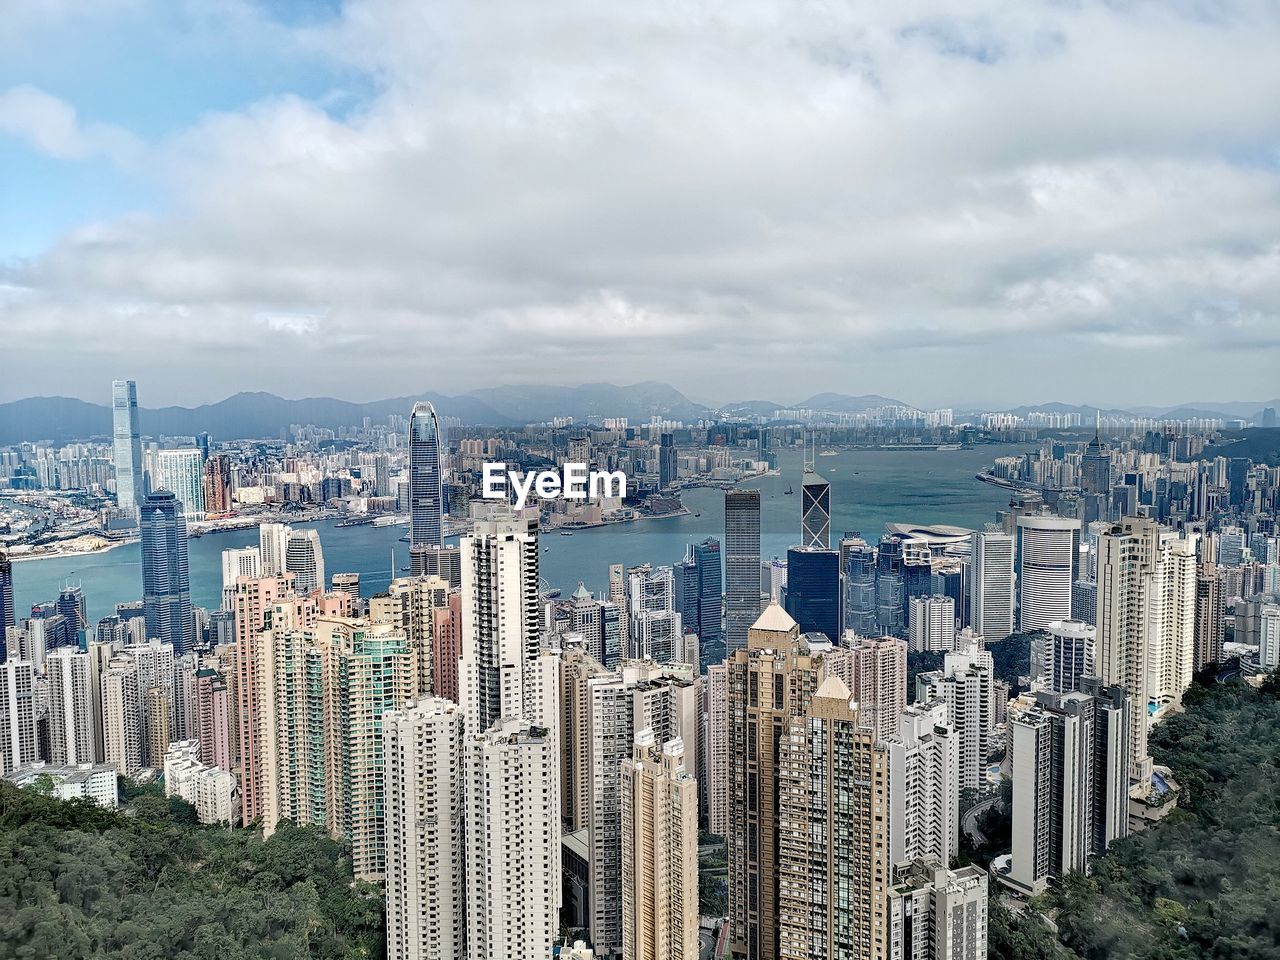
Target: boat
(566, 533)
(788, 491)
(697, 514)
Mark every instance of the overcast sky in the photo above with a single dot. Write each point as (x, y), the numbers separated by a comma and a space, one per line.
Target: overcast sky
(952, 202)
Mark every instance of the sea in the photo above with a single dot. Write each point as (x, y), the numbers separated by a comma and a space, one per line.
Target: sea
(869, 488)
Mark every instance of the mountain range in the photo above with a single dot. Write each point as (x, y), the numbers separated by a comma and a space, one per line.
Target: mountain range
(246, 415)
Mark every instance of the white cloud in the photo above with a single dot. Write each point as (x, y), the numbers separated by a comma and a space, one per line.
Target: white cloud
(50, 125)
(738, 197)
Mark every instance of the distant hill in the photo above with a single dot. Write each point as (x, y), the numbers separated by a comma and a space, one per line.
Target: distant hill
(245, 415)
(752, 408)
(1261, 445)
(250, 415)
(843, 403)
(591, 401)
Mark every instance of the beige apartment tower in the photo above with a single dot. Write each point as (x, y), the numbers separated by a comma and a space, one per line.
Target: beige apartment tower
(771, 681)
(659, 853)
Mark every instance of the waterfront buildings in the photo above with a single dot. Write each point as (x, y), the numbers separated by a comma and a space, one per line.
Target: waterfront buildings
(166, 578)
(126, 446)
(181, 472)
(304, 558)
(699, 590)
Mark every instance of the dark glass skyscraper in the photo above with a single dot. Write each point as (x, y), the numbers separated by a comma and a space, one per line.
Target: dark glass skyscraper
(166, 578)
(813, 590)
(426, 489)
(1095, 467)
(741, 565)
(666, 461)
(860, 589)
(6, 604)
(71, 605)
(698, 588)
(1237, 479)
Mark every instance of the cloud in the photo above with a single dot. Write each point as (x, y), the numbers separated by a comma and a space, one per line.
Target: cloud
(756, 197)
(51, 126)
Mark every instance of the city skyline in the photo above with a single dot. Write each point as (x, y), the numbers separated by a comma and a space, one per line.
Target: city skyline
(918, 187)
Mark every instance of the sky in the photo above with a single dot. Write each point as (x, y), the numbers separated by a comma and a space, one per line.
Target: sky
(952, 202)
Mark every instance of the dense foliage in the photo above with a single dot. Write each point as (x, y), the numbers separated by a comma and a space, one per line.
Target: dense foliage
(80, 881)
(1206, 882)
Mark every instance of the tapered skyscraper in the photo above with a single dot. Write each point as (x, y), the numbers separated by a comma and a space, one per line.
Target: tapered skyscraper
(815, 511)
(741, 565)
(127, 445)
(426, 488)
(166, 577)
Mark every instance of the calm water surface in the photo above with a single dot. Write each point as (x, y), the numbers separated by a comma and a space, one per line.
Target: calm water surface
(869, 488)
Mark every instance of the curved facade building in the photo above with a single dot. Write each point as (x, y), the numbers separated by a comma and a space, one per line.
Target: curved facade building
(1048, 559)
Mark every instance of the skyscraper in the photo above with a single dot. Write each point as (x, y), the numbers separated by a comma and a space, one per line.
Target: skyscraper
(991, 585)
(166, 578)
(126, 451)
(833, 844)
(813, 590)
(666, 461)
(1145, 618)
(1064, 655)
(182, 472)
(815, 511)
(122, 728)
(304, 558)
(931, 622)
(6, 604)
(273, 546)
(717, 748)
(425, 807)
(1048, 552)
(426, 486)
(700, 592)
(859, 587)
(512, 842)
(1210, 613)
(501, 616)
(1069, 755)
(238, 562)
(771, 681)
(18, 740)
(659, 814)
(924, 785)
(879, 681)
(741, 565)
(1095, 467)
(71, 698)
